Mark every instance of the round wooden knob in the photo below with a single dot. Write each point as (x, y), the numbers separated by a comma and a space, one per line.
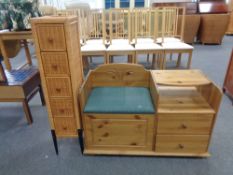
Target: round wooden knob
(64, 128)
(58, 90)
(183, 126)
(50, 40)
(181, 146)
(54, 67)
(62, 111)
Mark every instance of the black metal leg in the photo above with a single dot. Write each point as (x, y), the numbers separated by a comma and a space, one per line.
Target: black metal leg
(80, 136)
(41, 96)
(54, 141)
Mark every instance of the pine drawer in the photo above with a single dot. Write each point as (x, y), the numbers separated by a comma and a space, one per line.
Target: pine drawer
(51, 37)
(59, 87)
(55, 63)
(182, 144)
(65, 126)
(62, 107)
(194, 124)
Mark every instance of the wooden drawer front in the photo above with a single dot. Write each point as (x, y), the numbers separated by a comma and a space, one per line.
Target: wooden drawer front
(181, 144)
(65, 126)
(119, 131)
(51, 38)
(55, 63)
(59, 87)
(62, 107)
(183, 124)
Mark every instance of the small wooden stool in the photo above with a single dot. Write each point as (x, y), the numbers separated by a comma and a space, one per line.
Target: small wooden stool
(21, 85)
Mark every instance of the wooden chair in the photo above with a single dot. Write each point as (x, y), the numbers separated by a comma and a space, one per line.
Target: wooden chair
(20, 85)
(167, 30)
(95, 40)
(118, 25)
(143, 36)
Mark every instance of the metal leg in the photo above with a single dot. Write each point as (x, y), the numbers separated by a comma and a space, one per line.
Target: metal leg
(27, 111)
(54, 141)
(80, 136)
(41, 96)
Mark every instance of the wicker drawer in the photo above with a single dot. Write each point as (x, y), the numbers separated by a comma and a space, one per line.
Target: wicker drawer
(59, 87)
(65, 126)
(185, 124)
(55, 63)
(62, 107)
(51, 38)
(181, 144)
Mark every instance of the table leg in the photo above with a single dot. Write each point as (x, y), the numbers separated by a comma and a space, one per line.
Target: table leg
(27, 52)
(4, 54)
(153, 60)
(189, 59)
(27, 111)
(178, 60)
(148, 58)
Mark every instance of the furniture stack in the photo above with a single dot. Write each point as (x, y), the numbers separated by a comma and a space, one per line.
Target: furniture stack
(57, 44)
(137, 31)
(209, 18)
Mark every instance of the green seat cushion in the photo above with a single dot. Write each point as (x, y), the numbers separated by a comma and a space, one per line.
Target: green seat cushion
(120, 100)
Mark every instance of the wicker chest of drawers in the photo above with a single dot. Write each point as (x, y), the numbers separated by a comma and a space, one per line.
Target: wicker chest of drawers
(57, 47)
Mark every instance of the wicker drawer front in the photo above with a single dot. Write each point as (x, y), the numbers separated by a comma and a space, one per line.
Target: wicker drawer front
(59, 87)
(55, 63)
(181, 144)
(51, 38)
(62, 107)
(65, 126)
(185, 124)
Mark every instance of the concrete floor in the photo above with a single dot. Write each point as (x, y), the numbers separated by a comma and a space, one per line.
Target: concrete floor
(28, 149)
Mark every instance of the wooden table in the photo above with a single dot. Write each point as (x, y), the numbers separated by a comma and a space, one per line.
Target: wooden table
(22, 35)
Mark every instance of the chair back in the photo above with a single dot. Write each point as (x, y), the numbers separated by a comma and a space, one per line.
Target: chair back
(141, 23)
(118, 24)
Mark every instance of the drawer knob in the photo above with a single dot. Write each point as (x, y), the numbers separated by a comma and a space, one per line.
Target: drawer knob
(54, 67)
(129, 73)
(183, 126)
(64, 128)
(62, 111)
(181, 146)
(50, 40)
(58, 90)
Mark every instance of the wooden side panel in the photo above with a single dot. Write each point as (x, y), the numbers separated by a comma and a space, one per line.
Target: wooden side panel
(228, 83)
(182, 144)
(75, 64)
(119, 131)
(185, 124)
